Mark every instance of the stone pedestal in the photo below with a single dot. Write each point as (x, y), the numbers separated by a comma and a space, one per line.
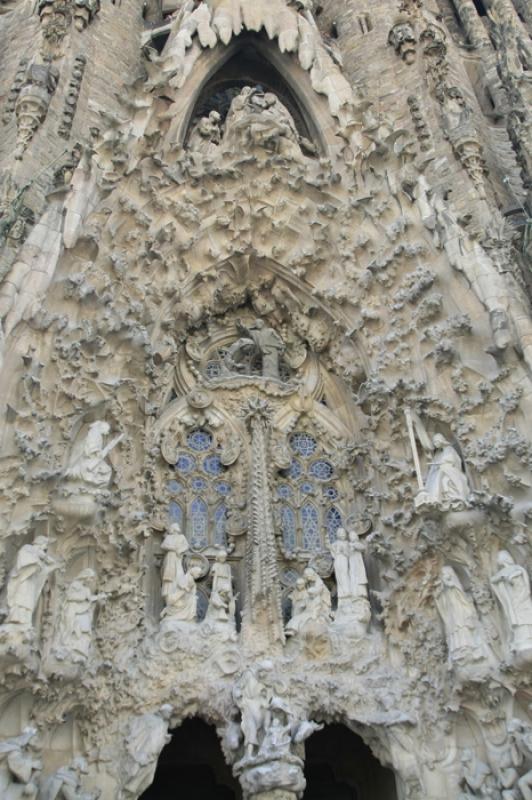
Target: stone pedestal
(271, 778)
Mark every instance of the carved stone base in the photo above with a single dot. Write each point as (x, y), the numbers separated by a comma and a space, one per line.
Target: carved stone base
(266, 777)
(275, 794)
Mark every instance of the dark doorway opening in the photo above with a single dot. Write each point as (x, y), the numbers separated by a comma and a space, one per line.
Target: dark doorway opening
(339, 766)
(192, 765)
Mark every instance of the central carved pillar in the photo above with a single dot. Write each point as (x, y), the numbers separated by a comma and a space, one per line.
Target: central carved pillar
(262, 614)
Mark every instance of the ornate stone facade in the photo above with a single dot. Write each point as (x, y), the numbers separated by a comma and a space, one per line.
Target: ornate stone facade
(266, 355)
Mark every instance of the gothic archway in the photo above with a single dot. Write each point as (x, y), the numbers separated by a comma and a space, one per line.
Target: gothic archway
(340, 766)
(192, 765)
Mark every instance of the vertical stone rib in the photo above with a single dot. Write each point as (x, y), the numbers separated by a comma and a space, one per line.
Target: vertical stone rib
(263, 602)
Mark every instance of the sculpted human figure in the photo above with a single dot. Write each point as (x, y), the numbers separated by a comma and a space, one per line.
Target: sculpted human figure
(74, 631)
(26, 581)
(520, 734)
(319, 598)
(253, 696)
(221, 608)
(19, 769)
(511, 585)
(299, 600)
(351, 579)
(340, 551)
(206, 135)
(147, 735)
(258, 339)
(65, 784)
(178, 587)
(89, 465)
(259, 118)
(464, 633)
(477, 778)
(446, 484)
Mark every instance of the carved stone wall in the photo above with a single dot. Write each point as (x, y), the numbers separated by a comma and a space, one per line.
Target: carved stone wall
(266, 353)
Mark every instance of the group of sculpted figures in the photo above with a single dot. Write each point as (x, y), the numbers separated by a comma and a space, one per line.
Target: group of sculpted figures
(21, 775)
(468, 650)
(255, 119)
(179, 588)
(311, 601)
(511, 779)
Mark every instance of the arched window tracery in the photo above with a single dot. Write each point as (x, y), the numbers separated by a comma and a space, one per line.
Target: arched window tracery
(200, 491)
(308, 495)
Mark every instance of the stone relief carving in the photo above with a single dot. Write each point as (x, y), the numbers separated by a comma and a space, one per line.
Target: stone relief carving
(73, 637)
(467, 647)
(178, 584)
(88, 474)
(25, 583)
(326, 253)
(446, 484)
(257, 340)
(351, 581)
(403, 40)
(146, 736)
(19, 767)
(511, 585)
(33, 99)
(65, 784)
(220, 614)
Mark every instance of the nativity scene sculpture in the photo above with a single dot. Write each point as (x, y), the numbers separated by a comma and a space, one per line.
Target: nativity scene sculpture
(256, 121)
(258, 343)
(179, 589)
(353, 608)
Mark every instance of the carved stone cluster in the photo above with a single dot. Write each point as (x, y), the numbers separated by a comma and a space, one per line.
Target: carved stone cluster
(266, 348)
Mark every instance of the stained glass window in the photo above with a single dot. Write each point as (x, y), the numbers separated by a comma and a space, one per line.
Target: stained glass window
(202, 510)
(309, 497)
(197, 523)
(322, 470)
(174, 512)
(310, 525)
(288, 527)
(212, 465)
(334, 521)
(220, 516)
(303, 444)
(199, 440)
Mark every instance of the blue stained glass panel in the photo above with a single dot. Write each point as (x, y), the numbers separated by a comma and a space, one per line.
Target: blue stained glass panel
(223, 488)
(220, 516)
(310, 525)
(174, 512)
(174, 486)
(288, 527)
(197, 523)
(294, 470)
(284, 492)
(198, 484)
(333, 521)
(199, 440)
(212, 465)
(330, 492)
(322, 470)
(308, 488)
(303, 444)
(185, 463)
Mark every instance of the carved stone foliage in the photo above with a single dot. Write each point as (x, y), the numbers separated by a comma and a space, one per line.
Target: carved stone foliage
(266, 452)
